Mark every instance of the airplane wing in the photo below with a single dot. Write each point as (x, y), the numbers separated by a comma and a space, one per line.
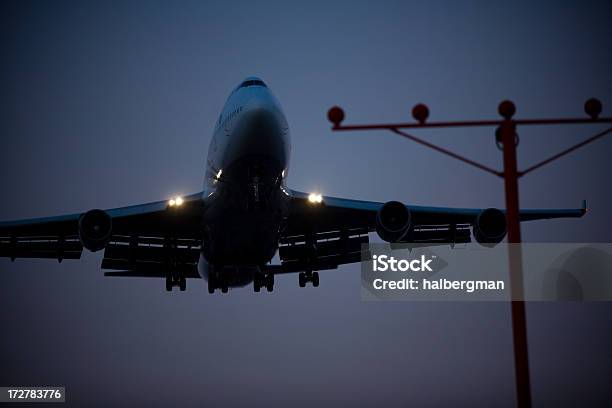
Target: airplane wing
(149, 240)
(138, 238)
(322, 235)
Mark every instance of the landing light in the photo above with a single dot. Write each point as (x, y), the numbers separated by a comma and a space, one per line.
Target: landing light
(315, 198)
(175, 202)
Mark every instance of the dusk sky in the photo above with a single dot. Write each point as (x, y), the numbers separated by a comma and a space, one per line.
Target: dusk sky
(103, 106)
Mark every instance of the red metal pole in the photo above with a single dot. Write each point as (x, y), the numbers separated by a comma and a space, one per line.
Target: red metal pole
(519, 320)
(507, 128)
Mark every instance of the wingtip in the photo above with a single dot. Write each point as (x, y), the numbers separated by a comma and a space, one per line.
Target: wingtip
(584, 207)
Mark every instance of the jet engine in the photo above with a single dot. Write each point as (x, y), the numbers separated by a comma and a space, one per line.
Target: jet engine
(95, 228)
(490, 227)
(392, 221)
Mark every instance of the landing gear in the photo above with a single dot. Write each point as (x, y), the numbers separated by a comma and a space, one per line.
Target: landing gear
(308, 276)
(260, 281)
(257, 282)
(270, 282)
(175, 276)
(176, 280)
(216, 281)
(315, 279)
(212, 285)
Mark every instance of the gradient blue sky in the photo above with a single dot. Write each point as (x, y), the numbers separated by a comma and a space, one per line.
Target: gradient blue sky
(104, 105)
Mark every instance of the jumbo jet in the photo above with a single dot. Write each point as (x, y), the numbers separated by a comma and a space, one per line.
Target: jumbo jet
(229, 233)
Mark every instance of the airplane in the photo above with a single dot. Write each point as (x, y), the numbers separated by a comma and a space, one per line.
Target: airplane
(228, 233)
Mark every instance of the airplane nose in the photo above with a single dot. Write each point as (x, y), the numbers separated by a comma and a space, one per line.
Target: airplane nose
(259, 133)
(261, 126)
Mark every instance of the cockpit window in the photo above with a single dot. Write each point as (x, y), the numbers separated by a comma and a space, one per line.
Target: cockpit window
(252, 82)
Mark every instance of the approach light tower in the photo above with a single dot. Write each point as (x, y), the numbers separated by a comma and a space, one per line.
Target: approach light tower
(506, 138)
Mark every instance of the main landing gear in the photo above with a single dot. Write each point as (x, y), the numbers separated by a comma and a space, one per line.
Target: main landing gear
(173, 280)
(216, 282)
(260, 281)
(308, 276)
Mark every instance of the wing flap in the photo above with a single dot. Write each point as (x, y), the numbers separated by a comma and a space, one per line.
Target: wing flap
(318, 264)
(455, 234)
(149, 271)
(321, 251)
(151, 253)
(322, 248)
(151, 257)
(41, 247)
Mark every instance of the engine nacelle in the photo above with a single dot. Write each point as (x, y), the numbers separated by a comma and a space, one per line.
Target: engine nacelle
(490, 227)
(95, 228)
(393, 221)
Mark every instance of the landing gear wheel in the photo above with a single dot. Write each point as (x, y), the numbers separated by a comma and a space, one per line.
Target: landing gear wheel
(315, 279)
(270, 282)
(169, 283)
(224, 288)
(256, 283)
(302, 279)
(182, 283)
(211, 286)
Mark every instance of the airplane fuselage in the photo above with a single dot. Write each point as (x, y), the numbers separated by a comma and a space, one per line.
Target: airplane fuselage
(247, 164)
